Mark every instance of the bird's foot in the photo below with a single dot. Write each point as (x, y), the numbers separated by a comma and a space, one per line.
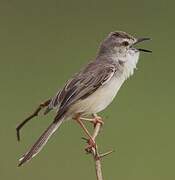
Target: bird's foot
(91, 144)
(97, 119)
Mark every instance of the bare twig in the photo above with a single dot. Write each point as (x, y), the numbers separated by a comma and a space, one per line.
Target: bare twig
(94, 150)
(106, 153)
(35, 113)
(95, 153)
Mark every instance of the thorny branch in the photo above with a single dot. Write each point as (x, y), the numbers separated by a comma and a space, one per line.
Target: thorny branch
(95, 153)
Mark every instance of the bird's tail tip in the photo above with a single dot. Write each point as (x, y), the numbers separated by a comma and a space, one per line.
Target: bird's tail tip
(23, 160)
(40, 143)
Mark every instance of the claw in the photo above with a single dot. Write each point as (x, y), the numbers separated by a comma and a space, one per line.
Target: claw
(91, 144)
(97, 120)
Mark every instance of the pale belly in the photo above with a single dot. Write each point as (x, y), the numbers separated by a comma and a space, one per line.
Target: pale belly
(99, 100)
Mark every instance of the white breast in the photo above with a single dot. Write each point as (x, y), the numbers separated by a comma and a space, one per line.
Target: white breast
(100, 99)
(130, 63)
(103, 96)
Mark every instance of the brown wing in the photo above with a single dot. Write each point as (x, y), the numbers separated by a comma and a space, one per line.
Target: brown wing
(83, 84)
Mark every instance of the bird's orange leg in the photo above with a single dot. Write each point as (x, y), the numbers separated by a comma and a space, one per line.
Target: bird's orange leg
(90, 141)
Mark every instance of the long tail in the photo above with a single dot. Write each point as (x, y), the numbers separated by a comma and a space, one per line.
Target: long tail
(37, 147)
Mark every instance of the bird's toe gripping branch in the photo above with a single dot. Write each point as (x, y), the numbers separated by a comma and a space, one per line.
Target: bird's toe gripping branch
(96, 119)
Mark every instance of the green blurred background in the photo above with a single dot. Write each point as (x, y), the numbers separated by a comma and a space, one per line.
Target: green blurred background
(42, 43)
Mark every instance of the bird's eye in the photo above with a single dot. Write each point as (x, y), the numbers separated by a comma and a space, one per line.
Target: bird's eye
(125, 43)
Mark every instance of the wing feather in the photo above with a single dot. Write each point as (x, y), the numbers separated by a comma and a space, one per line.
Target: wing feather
(84, 83)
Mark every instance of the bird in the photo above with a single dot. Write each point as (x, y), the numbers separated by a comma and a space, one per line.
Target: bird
(91, 90)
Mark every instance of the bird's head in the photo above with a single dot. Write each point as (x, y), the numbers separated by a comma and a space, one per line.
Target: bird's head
(121, 43)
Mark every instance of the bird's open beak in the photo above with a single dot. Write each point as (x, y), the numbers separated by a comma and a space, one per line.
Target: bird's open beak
(141, 40)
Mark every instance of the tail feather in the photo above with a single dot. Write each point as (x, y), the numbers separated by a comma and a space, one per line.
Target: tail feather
(37, 147)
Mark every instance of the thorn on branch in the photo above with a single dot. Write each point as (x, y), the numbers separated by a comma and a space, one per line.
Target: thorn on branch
(106, 153)
(86, 139)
